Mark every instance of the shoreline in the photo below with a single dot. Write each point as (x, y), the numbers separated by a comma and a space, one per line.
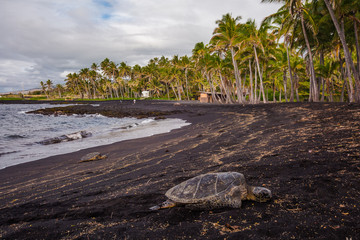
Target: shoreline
(293, 149)
(95, 132)
(89, 108)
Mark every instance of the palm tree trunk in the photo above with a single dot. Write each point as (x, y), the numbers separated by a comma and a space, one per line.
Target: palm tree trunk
(122, 92)
(213, 95)
(322, 79)
(350, 86)
(186, 82)
(230, 88)
(94, 89)
(291, 77)
(87, 90)
(296, 87)
(110, 91)
(237, 78)
(172, 87)
(251, 84)
(343, 77)
(255, 87)
(314, 89)
(280, 96)
(274, 89)
(167, 90)
(342, 92)
(357, 46)
(285, 86)
(179, 89)
(260, 75)
(332, 90)
(116, 90)
(348, 59)
(78, 87)
(226, 90)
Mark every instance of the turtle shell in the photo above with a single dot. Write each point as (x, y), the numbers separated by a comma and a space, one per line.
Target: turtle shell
(92, 157)
(206, 187)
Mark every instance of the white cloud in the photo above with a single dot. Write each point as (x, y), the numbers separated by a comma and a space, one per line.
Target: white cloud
(44, 39)
(64, 74)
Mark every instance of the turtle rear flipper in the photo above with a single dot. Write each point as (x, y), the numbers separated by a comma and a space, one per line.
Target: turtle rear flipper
(167, 204)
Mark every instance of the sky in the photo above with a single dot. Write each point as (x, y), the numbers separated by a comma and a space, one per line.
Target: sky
(44, 39)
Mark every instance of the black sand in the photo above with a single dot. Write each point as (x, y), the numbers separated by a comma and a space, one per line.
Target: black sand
(307, 154)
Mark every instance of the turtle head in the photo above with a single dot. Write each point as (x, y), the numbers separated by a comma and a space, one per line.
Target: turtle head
(259, 194)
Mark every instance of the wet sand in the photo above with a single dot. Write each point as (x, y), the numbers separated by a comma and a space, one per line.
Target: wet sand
(307, 154)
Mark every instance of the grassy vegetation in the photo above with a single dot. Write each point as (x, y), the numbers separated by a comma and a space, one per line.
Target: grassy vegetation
(10, 98)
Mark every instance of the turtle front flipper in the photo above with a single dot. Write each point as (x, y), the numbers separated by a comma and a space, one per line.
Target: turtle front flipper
(167, 204)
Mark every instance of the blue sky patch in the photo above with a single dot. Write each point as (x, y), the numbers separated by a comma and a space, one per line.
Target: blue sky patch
(103, 3)
(106, 16)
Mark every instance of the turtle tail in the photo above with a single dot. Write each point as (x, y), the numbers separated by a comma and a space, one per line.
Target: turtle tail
(155, 208)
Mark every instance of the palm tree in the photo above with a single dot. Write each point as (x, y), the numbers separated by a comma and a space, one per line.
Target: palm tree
(60, 89)
(136, 80)
(220, 66)
(185, 64)
(254, 39)
(298, 70)
(84, 76)
(280, 68)
(176, 73)
(93, 74)
(286, 44)
(227, 35)
(124, 76)
(43, 86)
(295, 12)
(348, 58)
(203, 64)
(106, 70)
(49, 84)
(328, 71)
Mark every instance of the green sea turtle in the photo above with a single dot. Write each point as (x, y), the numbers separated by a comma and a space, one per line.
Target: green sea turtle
(93, 156)
(214, 190)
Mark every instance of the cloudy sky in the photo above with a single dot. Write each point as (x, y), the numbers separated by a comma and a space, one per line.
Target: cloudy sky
(45, 39)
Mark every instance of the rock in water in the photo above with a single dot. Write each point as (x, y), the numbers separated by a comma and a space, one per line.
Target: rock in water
(78, 135)
(66, 138)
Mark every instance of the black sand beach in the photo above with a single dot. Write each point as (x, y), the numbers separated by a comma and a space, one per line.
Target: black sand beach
(308, 154)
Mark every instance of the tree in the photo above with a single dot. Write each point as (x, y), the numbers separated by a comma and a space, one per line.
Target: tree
(43, 86)
(49, 85)
(72, 83)
(227, 35)
(255, 41)
(286, 44)
(295, 12)
(185, 64)
(60, 89)
(348, 58)
(84, 76)
(328, 71)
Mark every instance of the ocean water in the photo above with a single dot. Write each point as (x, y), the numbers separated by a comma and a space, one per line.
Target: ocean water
(29, 137)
